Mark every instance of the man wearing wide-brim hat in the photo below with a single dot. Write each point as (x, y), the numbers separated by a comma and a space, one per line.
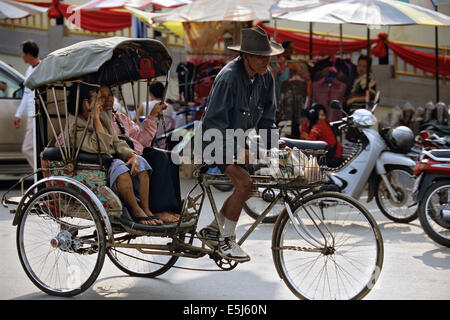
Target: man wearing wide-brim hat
(242, 97)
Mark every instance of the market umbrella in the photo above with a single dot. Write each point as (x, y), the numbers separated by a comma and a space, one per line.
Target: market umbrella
(139, 29)
(215, 10)
(10, 9)
(214, 15)
(432, 4)
(364, 12)
(108, 4)
(283, 6)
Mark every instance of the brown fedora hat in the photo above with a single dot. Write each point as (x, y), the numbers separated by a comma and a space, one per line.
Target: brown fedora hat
(255, 41)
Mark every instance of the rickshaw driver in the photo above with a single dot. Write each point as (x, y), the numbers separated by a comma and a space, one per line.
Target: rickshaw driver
(242, 97)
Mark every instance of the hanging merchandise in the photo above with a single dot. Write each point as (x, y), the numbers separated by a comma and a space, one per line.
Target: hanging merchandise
(196, 77)
(186, 72)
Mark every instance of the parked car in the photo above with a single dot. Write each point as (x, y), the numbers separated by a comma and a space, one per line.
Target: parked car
(12, 160)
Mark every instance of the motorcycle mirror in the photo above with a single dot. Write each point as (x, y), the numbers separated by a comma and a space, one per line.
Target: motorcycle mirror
(377, 97)
(336, 104)
(376, 101)
(374, 107)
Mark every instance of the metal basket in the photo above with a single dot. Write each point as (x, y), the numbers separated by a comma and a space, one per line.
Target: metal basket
(295, 168)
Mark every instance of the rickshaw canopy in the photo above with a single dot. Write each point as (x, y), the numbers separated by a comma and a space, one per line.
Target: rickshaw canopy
(106, 61)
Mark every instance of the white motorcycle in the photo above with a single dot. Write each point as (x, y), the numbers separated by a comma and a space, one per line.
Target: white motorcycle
(380, 161)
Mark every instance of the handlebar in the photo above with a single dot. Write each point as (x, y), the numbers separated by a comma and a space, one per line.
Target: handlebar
(341, 123)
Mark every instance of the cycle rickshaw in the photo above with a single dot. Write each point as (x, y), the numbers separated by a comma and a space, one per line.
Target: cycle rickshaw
(324, 245)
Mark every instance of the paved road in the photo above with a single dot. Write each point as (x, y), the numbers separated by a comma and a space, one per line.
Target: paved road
(414, 268)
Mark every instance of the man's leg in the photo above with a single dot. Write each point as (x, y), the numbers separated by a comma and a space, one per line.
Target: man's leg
(231, 210)
(27, 146)
(242, 183)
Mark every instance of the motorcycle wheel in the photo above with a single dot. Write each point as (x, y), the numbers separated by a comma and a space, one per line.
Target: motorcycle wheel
(223, 188)
(254, 206)
(431, 212)
(402, 181)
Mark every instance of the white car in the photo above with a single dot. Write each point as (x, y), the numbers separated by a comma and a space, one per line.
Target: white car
(12, 160)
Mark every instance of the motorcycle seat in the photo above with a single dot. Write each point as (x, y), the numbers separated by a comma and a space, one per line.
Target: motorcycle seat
(441, 153)
(439, 127)
(305, 144)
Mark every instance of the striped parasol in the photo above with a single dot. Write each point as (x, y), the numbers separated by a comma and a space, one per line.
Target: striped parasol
(108, 4)
(366, 12)
(216, 10)
(15, 10)
(430, 4)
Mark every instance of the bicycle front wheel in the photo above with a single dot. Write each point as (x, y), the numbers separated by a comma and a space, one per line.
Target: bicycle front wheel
(347, 259)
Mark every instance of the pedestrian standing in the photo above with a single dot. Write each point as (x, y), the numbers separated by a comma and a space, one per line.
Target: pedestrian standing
(30, 55)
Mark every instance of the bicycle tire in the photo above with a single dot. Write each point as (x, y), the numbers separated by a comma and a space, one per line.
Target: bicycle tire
(223, 187)
(63, 220)
(329, 272)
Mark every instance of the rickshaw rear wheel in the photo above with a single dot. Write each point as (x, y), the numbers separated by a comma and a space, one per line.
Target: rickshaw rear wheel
(61, 241)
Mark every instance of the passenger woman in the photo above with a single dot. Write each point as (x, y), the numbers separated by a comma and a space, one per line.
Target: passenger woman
(128, 174)
(164, 194)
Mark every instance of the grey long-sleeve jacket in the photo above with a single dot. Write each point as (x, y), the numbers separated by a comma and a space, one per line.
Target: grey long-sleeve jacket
(236, 102)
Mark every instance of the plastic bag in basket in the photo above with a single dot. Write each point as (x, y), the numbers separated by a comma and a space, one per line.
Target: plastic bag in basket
(293, 166)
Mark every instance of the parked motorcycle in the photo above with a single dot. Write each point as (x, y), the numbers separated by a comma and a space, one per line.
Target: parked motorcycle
(432, 193)
(438, 129)
(381, 162)
(434, 136)
(429, 141)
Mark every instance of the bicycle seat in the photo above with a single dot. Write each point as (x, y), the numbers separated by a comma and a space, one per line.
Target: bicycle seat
(54, 154)
(305, 144)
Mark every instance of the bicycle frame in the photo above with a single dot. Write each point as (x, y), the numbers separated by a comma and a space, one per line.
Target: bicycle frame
(205, 181)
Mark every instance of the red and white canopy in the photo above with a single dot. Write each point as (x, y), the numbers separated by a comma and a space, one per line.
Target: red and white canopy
(108, 4)
(14, 10)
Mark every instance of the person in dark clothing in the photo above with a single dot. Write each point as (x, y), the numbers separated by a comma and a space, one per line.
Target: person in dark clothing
(242, 97)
